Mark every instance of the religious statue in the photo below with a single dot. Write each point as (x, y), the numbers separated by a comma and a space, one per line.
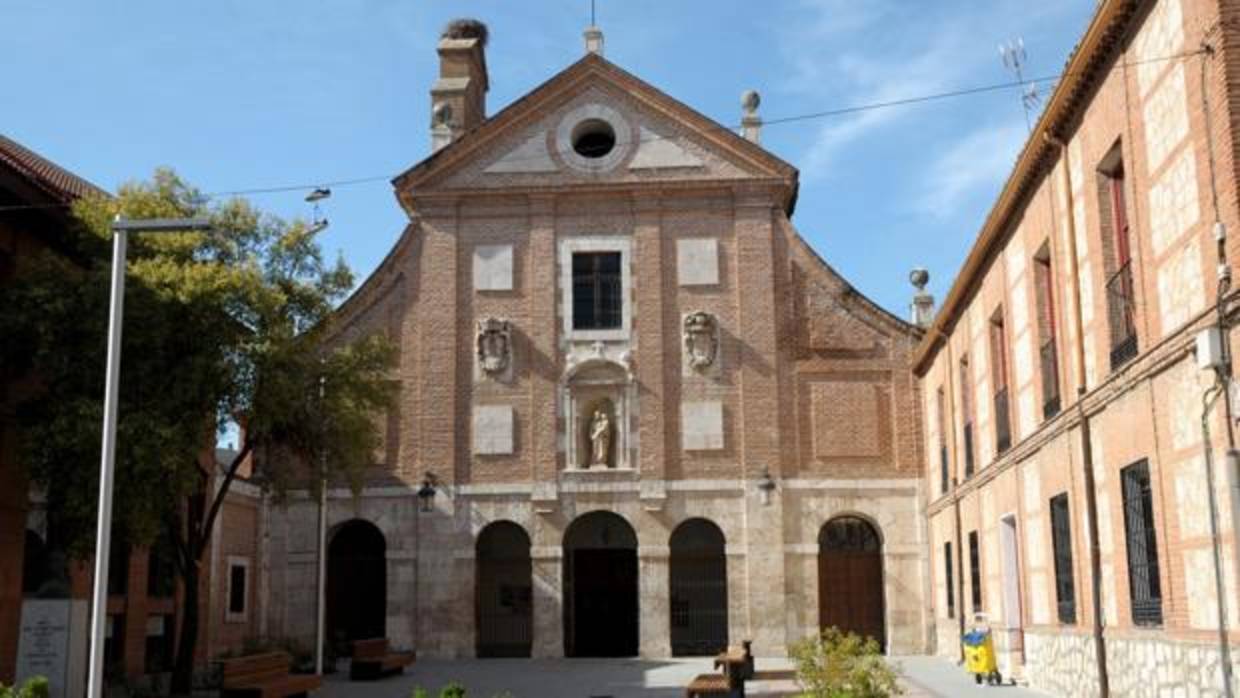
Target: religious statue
(701, 338)
(494, 345)
(600, 439)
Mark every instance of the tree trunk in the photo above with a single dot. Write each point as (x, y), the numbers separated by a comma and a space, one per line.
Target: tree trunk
(187, 643)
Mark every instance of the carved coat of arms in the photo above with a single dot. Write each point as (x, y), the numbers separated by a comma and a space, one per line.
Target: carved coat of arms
(701, 337)
(494, 345)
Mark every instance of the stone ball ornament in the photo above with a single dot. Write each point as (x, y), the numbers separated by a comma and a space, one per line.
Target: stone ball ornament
(750, 101)
(919, 277)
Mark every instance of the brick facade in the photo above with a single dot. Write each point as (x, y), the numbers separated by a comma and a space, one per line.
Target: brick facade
(810, 382)
(1135, 102)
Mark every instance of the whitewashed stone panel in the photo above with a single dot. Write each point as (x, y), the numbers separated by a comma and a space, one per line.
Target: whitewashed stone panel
(1181, 291)
(493, 268)
(1166, 118)
(1174, 202)
(493, 430)
(697, 261)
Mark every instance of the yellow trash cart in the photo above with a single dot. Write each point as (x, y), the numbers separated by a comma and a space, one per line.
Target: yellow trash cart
(979, 655)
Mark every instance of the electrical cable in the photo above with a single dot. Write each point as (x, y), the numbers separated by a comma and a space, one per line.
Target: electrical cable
(809, 116)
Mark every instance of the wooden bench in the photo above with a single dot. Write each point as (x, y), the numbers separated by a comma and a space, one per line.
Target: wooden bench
(265, 676)
(715, 685)
(373, 659)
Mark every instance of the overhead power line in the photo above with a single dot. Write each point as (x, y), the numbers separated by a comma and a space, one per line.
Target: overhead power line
(809, 116)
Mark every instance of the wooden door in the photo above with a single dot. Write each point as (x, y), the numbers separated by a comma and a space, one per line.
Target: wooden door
(850, 579)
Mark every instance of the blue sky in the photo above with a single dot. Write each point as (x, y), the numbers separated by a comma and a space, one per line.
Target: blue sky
(237, 94)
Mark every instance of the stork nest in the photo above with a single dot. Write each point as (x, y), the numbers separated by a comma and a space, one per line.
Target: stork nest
(466, 29)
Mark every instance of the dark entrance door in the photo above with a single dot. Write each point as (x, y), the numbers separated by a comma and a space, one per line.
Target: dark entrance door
(600, 590)
(356, 585)
(850, 578)
(504, 600)
(698, 580)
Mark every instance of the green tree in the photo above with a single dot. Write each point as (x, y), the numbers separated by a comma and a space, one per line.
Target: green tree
(229, 325)
(836, 664)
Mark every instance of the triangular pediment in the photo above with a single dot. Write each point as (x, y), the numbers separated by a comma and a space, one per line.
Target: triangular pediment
(533, 141)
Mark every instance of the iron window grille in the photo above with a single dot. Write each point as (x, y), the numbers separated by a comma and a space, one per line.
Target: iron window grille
(597, 291)
(968, 450)
(1121, 307)
(1050, 379)
(1003, 424)
(943, 474)
(947, 577)
(1061, 544)
(1144, 585)
(975, 571)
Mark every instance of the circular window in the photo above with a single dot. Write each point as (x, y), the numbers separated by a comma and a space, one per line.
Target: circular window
(593, 138)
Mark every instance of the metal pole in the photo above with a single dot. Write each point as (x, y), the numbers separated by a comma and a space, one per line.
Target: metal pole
(319, 627)
(99, 599)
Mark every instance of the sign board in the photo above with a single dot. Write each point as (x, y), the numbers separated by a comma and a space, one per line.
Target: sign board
(43, 649)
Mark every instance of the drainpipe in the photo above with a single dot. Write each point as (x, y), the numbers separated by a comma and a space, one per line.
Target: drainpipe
(1220, 388)
(1087, 452)
(955, 495)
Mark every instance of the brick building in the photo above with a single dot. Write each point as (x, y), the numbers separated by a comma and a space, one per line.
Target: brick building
(1064, 402)
(142, 603)
(632, 390)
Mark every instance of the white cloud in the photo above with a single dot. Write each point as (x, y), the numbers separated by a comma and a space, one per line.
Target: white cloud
(841, 53)
(980, 159)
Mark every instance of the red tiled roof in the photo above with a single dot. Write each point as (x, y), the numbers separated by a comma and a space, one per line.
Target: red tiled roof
(60, 183)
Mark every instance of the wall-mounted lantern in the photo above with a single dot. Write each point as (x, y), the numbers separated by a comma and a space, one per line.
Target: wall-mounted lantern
(426, 493)
(766, 485)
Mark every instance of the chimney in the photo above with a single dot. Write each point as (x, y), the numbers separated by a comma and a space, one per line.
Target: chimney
(751, 123)
(459, 96)
(922, 309)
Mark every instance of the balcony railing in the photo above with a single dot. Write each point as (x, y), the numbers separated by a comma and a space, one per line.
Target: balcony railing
(968, 450)
(1050, 379)
(1003, 423)
(1121, 309)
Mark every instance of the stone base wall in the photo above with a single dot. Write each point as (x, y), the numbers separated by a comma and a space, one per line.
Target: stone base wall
(771, 552)
(1062, 664)
(1141, 667)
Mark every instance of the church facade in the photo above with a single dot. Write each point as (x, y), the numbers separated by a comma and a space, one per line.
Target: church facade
(638, 415)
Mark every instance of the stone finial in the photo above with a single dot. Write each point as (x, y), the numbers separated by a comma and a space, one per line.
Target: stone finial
(594, 39)
(922, 308)
(751, 123)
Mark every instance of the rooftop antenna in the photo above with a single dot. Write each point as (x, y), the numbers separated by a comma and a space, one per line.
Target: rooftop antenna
(318, 223)
(592, 22)
(1014, 59)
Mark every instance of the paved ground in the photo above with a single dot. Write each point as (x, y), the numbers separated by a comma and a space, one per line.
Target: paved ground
(924, 677)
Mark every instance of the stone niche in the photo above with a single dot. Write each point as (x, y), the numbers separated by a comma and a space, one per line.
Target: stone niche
(594, 386)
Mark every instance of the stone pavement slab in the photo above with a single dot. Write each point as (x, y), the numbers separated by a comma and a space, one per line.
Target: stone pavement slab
(935, 677)
(922, 677)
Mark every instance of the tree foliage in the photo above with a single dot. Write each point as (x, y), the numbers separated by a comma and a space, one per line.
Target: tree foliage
(230, 325)
(837, 664)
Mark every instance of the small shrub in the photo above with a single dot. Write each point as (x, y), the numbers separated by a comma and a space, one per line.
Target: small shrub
(35, 687)
(452, 690)
(419, 692)
(843, 665)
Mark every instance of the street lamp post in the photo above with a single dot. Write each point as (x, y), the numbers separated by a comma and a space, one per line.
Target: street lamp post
(99, 600)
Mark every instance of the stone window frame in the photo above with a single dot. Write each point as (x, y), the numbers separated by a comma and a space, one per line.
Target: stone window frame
(597, 243)
(231, 616)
